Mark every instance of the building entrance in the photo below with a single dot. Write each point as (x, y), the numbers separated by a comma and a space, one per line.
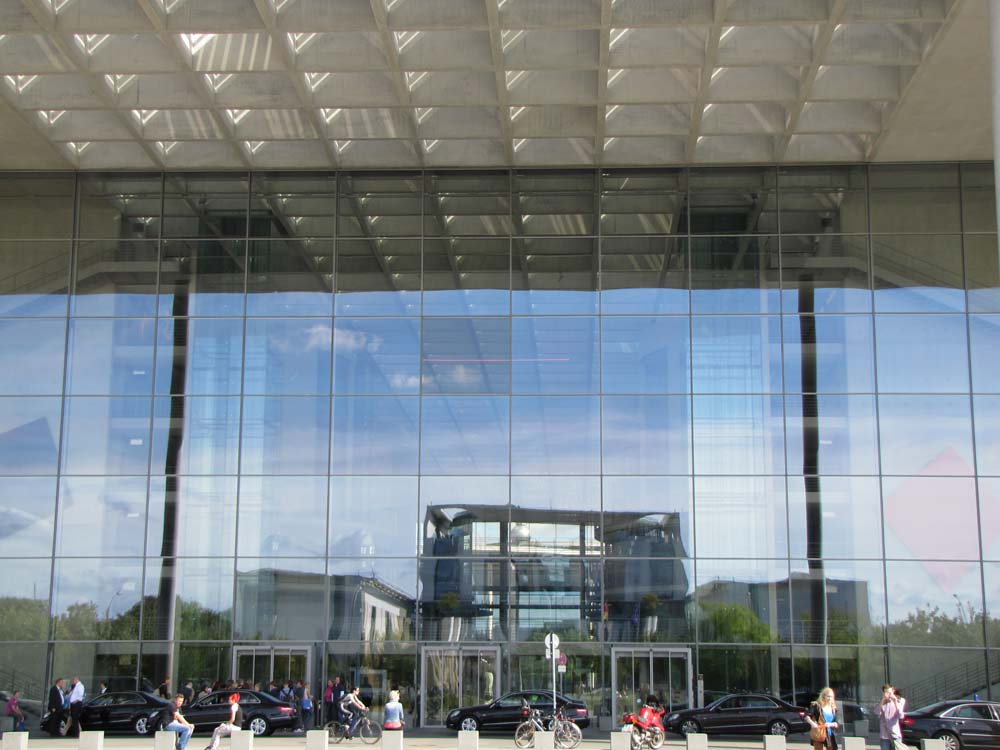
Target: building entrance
(263, 663)
(452, 676)
(640, 671)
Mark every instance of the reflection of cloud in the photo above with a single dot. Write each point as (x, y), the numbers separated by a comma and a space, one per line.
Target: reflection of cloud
(402, 382)
(314, 338)
(347, 341)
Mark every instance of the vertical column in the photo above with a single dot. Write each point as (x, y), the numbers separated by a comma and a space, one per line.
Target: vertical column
(995, 70)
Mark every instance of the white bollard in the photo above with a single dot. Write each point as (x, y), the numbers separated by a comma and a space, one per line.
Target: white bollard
(774, 742)
(241, 740)
(392, 739)
(92, 740)
(545, 740)
(697, 741)
(165, 740)
(852, 743)
(861, 728)
(317, 739)
(621, 740)
(931, 744)
(468, 739)
(15, 741)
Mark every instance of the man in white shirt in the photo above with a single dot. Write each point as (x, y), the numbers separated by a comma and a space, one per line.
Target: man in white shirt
(76, 696)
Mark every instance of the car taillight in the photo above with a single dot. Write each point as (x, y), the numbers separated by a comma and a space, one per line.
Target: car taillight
(802, 714)
(906, 721)
(582, 711)
(286, 709)
(525, 712)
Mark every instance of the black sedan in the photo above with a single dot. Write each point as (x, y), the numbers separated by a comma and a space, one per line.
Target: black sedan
(122, 711)
(961, 724)
(262, 713)
(750, 713)
(508, 711)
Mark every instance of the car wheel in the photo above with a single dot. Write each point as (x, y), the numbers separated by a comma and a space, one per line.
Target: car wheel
(141, 725)
(469, 724)
(951, 741)
(778, 727)
(259, 726)
(690, 726)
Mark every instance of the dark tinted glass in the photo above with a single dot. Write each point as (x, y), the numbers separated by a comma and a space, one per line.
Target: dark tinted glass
(822, 200)
(742, 601)
(379, 205)
(205, 205)
(554, 276)
(733, 201)
(644, 275)
(468, 594)
(978, 198)
(35, 277)
(283, 598)
(467, 203)
(202, 277)
(114, 205)
(825, 273)
(735, 274)
(838, 602)
(914, 198)
(918, 273)
(115, 277)
(466, 276)
(290, 277)
(982, 272)
(550, 203)
(290, 204)
(636, 203)
(36, 206)
(378, 277)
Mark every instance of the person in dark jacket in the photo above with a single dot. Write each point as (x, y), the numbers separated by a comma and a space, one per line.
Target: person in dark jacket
(823, 711)
(54, 715)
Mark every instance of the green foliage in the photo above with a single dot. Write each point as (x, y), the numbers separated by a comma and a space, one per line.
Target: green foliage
(734, 623)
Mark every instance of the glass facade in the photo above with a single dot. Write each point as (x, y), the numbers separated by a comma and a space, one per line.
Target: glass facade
(741, 423)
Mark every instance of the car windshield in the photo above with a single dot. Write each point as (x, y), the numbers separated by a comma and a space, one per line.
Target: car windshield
(930, 708)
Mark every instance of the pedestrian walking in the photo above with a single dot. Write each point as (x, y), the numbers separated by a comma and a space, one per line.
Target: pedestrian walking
(822, 718)
(328, 714)
(54, 709)
(306, 707)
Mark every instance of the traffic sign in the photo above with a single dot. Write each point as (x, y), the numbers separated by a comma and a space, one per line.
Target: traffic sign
(552, 641)
(561, 668)
(561, 660)
(548, 654)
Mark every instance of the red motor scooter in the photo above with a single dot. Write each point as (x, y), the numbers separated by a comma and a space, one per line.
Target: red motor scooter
(646, 727)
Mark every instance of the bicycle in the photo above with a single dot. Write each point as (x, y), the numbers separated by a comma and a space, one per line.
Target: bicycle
(567, 734)
(369, 731)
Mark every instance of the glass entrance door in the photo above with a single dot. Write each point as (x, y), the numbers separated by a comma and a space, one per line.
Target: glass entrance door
(261, 664)
(638, 672)
(452, 677)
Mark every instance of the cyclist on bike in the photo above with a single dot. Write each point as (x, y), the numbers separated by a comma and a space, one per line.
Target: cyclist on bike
(351, 704)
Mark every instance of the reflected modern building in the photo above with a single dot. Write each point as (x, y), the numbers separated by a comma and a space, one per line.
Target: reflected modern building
(365, 396)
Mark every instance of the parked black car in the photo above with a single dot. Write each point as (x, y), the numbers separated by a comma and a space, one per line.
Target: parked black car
(749, 713)
(961, 724)
(850, 711)
(122, 711)
(507, 711)
(262, 713)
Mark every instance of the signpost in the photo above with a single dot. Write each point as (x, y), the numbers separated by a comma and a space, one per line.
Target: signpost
(552, 653)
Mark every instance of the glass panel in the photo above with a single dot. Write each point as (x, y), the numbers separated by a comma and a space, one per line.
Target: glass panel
(825, 273)
(644, 275)
(646, 435)
(647, 517)
(463, 600)
(555, 435)
(188, 599)
(290, 277)
(918, 273)
(110, 356)
(740, 517)
(913, 504)
(465, 516)
(762, 669)
(987, 424)
(199, 355)
(898, 206)
(467, 203)
(202, 277)
(554, 276)
(479, 673)
(96, 599)
(637, 202)
(291, 204)
(285, 435)
(930, 435)
(29, 435)
(31, 356)
(465, 435)
(205, 205)
(115, 664)
(376, 355)
(24, 600)
(828, 354)
(106, 435)
(35, 278)
(378, 277)
(584, 677)
(201, 663)
(280, 599)
(733, 201)
(934, 603)
(831, 434)
(907, 365)
(464, 276)
(559, 203)
(989, 517)
(375, 435)
(372, 599)
(101, 516)
(991, 576)
(736, 355)
(26, 524)
(555, 595)
(984, 332)
(648, 600)
(978, 198)
(466, 355)
(555, 515)
(645, 355)
(191, 516)
(383, 204)
(742, 601)
(738, 435)
(287, 357)
(555, 355)
(859, 674)
(115, 277)
(834, 517)
(376, 667)
(823, 199)
(373, 516)
(282, 516)
(36, 205)
(838, 602)
(114, 205)
(26, 663)
(196, 435)
(735, 275)
(982, 272)
(932, 674)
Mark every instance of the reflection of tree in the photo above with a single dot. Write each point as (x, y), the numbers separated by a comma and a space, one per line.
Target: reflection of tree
(23, 619)
(930, 626)
(734, 623)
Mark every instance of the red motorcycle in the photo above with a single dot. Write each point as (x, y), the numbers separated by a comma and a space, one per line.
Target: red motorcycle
(646, 727)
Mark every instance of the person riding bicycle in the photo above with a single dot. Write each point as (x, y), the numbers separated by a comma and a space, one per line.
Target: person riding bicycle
(352, 705)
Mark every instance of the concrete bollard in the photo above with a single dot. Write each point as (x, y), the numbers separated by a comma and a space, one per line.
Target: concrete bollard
(931, 744)
(165, 740)
(697, 741)
(241, 739)
(468, 739)
(861, 728)
(852, 743)
(15, 741)
(317, 739)
(621, 740)
(545, 740)
(392, 740)
(774, 742)
(92, 740)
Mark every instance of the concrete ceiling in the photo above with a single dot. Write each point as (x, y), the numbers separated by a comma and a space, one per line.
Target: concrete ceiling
(190, 84)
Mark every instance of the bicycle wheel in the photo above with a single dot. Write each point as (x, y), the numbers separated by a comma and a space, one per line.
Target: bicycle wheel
(563, 735)
(335, 730)
(370, 732)
(573, 733)
(524, 735)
